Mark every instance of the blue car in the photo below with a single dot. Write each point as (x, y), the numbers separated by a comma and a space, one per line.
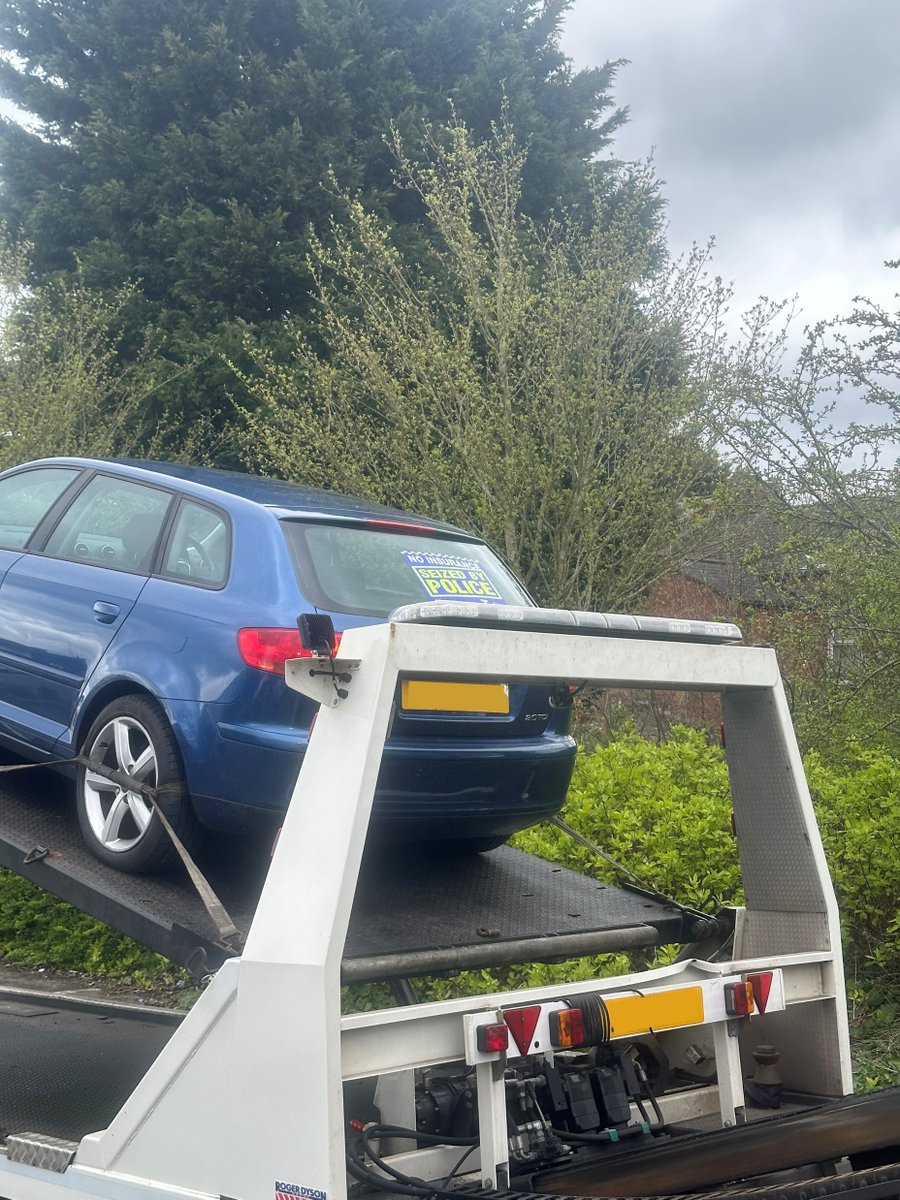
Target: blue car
(147, 611)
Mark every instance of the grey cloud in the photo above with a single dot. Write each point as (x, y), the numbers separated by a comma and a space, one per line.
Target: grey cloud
(755, 80)
(776, 124)
(792, 77)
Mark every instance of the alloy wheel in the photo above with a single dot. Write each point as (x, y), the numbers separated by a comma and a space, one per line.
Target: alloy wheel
(119, 817)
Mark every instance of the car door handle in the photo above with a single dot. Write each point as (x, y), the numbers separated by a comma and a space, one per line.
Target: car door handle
(106, 613)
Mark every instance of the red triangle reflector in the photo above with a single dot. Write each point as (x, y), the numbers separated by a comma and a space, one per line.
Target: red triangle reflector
(762, 985)
(522, 1023)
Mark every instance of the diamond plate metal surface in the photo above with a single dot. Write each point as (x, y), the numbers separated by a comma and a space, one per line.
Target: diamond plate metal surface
(67, 1072)
(782, 933)
(777, 862)
(794, 1031)
(37, 808)
(36, 1150)
(407, 902)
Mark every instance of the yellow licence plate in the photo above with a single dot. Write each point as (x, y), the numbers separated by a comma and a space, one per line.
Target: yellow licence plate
(427, 695)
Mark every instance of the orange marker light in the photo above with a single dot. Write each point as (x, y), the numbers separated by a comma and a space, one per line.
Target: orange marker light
(739, 999)
(567, 1028)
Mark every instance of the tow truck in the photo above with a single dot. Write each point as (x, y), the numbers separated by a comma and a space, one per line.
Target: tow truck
(724, 1071)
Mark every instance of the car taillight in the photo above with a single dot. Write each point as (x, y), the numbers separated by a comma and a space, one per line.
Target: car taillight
(269, 649)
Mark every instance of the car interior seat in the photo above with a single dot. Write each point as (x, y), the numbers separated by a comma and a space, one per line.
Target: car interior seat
(139, 539)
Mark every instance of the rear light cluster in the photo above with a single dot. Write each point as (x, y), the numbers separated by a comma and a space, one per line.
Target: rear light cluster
(269, 649)
(750, 995)
(492, 1039)
(567, 1030)
(739, 999)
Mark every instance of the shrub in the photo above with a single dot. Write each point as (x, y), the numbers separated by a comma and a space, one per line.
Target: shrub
(859, 818)
(38, 930)
(662, 811)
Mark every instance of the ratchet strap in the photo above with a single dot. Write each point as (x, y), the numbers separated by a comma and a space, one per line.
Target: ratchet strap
(626, 878)
(229, 934)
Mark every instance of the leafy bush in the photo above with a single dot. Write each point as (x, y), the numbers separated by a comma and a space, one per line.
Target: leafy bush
(663, 811)
(859, 818)
(876, 1038)
(38, 930)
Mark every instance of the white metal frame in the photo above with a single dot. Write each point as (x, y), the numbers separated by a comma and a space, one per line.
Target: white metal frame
(248, 1092)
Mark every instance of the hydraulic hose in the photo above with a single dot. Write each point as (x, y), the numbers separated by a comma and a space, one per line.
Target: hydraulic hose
(398, 1182)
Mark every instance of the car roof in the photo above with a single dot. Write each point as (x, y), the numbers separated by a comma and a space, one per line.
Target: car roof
(286, 497)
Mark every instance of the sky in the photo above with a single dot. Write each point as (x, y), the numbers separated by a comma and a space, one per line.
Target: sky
(775, 125)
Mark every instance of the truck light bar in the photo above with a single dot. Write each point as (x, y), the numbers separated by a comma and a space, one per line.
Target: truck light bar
(563, 620)
(546, 1027)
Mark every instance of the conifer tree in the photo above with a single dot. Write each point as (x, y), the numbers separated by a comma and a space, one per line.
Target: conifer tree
(182, 145)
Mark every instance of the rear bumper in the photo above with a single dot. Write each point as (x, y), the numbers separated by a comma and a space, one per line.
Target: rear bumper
(476, 790)
(241, 775)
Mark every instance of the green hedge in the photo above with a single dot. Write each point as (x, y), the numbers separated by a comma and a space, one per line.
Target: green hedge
(858, 807)
(38, 930)
(663, 811)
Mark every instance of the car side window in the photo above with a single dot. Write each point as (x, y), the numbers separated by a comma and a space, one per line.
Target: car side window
(199, 546)
(26, 498)
(112, 522)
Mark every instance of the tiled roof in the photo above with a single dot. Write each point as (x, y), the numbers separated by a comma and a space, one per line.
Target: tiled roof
(742, 561)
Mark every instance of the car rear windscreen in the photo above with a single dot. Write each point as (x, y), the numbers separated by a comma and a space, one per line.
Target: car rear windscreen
(359, 569)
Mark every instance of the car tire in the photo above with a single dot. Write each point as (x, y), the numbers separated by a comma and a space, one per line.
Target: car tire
(131, 734)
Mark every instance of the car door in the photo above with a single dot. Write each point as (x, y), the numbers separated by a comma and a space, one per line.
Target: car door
(61, 607)
(26, 498)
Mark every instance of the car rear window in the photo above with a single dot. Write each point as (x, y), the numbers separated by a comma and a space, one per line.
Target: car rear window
(359, 569)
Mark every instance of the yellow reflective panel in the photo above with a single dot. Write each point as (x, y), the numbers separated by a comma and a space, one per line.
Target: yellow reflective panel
(432, 696)
(658, 1010)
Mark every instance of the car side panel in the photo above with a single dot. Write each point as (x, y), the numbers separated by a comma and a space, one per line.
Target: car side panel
(7, 558)
(182, 641)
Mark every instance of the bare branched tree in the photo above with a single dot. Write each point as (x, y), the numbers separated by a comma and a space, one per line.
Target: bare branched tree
(821, 433)
(65, 388)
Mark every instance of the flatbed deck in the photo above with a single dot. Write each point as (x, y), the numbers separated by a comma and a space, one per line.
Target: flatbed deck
(414, 913)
